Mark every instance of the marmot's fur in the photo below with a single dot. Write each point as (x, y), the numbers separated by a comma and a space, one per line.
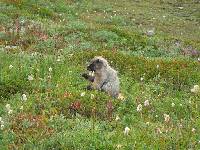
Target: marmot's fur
(105, 78)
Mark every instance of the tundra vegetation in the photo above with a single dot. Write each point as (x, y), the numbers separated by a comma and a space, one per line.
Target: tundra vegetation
(44, 47)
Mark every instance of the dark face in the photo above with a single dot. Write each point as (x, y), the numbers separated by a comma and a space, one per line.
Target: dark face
(97, 64)
(91, 67)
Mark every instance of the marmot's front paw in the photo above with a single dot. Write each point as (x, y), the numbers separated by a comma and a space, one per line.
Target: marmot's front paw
(85, 75)
(89, 87)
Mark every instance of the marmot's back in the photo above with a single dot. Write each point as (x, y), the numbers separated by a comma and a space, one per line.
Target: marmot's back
(112, 84)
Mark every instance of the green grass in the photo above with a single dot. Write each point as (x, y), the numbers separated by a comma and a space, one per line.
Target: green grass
(53, 41)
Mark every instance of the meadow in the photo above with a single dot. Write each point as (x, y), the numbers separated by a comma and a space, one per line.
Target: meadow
(45, 46)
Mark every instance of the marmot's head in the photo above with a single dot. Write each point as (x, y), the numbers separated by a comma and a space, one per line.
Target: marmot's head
(97, 63)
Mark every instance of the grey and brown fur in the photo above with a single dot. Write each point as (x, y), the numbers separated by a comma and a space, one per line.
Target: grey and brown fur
(105, 78)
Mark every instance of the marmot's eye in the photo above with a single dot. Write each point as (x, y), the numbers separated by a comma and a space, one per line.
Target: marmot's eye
(98, 61)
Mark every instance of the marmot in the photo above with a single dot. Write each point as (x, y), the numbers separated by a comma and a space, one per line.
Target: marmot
(104, 79)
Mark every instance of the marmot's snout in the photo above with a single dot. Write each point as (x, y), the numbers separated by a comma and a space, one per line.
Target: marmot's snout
(91, 67)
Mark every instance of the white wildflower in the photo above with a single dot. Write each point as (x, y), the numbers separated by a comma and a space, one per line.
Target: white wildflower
(147, 123)
(2, 126)
(11, 47)
(30, 77)
(166, 117)
(157, 66)
(193, 130)
(24, 97)
(22, 21)
(92, 96)
(10, 111)
(34, 54)
(117, 118)
(195, 89)
(181, 105)
(159, 131)
(11, 66)
(141, 79)
(70, 55)
(126, 131)
(50, 69)
(21, 108)
(180, 7)
(150, 32)
(82, 94)
(173, 104)
(119, 146)
(8, 106)
(139, 107)
(58, 59)
(198, 59)
(146, 103)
